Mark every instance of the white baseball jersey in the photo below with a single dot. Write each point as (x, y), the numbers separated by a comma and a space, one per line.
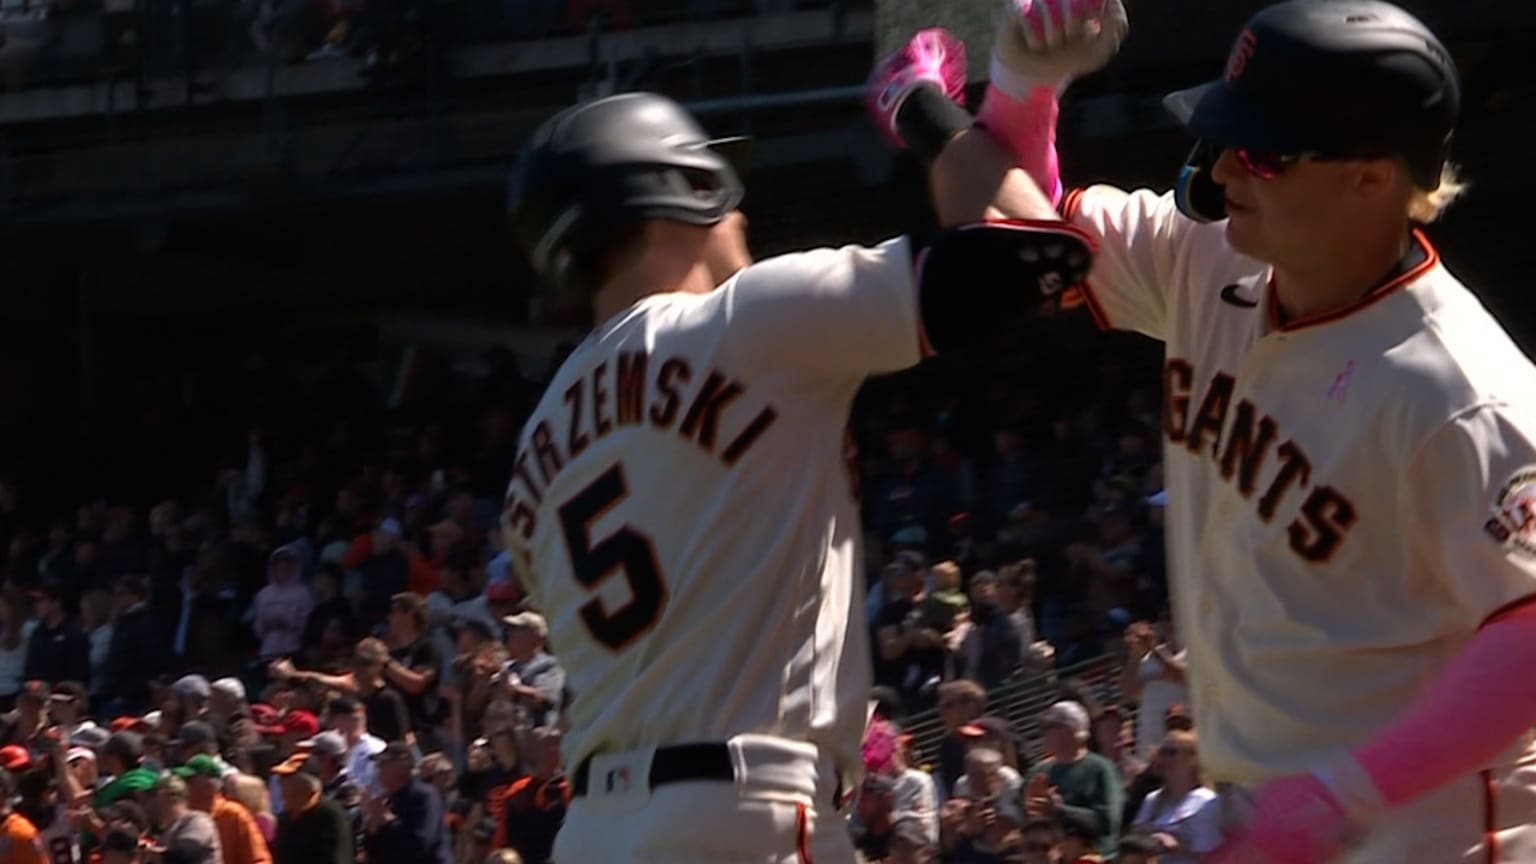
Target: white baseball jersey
(681, 509)
(1350, 496)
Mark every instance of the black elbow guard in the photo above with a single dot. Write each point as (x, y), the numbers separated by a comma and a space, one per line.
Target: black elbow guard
(977, 281)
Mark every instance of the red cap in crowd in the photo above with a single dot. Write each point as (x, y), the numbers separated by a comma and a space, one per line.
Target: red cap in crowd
(298, 722)
(15, 758)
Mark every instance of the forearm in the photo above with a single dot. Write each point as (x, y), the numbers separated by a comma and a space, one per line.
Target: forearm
(1097, 815)
(407, 679)
(974, 179)
(343, 683)
(1478, 696)
(1027, 128)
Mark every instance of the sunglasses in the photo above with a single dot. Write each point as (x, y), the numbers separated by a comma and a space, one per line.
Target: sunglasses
(1269, 164)
(1038, 847)
(1175, 751)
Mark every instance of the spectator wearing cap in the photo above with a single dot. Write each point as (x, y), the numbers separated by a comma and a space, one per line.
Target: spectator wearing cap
(189, 836)
(122, 761)
(379, 568)
(197, 738)
(960, 702)
(311, 829)
(240, 838)
(189, 699)
(414, 666)
(1075, 784)
(138, 651)
(231, 717)
(328, 754)
(405, 824)
(67, 708)
(82, 762)
(25, 723)
(282, 607)
(503, 597)
(533, 676)
(57, 650)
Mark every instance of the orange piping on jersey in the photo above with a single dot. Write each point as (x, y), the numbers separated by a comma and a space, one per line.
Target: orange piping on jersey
(802, 834)
(1431, 259)
(1081, 293)
(1509, 608)
(1069, 204)
(1490, 818)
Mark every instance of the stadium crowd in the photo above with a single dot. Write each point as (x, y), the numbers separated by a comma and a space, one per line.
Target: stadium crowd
(322, 656)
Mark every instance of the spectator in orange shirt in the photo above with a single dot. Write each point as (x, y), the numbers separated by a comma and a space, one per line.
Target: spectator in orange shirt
(240, 838)
(19, 843)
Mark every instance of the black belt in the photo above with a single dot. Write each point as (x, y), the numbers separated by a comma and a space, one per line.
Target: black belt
(676, 764)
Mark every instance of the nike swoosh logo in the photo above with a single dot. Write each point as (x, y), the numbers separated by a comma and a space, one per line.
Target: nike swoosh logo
(1230, 297)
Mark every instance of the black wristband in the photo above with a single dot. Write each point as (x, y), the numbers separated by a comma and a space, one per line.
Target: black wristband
(927, 120)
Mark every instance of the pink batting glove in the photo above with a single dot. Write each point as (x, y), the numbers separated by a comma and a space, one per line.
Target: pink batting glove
(933, 56)
(1292, 820)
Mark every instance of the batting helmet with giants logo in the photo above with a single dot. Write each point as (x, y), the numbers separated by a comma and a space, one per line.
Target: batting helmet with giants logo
(595, 169)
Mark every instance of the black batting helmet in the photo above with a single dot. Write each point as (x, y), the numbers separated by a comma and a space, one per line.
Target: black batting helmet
(1333, 77)
(596, 168)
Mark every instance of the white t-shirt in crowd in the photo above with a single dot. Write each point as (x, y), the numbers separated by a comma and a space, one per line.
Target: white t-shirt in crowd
(1158, 694)
(1194, 819)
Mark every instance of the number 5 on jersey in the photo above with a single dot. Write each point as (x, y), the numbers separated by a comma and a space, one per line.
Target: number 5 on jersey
(594, 561)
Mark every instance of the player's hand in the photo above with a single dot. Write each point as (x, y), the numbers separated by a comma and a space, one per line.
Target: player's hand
(933, 56)
(1050, 42)
(1292, 820)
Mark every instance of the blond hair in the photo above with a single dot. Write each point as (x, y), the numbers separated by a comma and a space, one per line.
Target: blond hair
(946, 575)
(249, 791)
(1425, 205)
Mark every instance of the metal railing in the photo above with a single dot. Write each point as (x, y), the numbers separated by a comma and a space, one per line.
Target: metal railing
(1022, 700)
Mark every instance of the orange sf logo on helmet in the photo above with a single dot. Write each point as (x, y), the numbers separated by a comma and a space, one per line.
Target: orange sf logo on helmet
(1242, 52)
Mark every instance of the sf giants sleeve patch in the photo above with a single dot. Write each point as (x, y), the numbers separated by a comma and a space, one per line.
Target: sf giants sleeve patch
(1512, 518)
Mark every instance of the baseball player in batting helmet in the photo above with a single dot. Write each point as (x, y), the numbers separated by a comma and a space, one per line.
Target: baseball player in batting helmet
(1350, 437)
(679, 507)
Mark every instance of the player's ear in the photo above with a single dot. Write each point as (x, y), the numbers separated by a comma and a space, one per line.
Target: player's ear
(1373, 177)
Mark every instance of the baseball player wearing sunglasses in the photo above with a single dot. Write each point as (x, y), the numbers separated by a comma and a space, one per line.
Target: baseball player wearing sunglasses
(1350, 437)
